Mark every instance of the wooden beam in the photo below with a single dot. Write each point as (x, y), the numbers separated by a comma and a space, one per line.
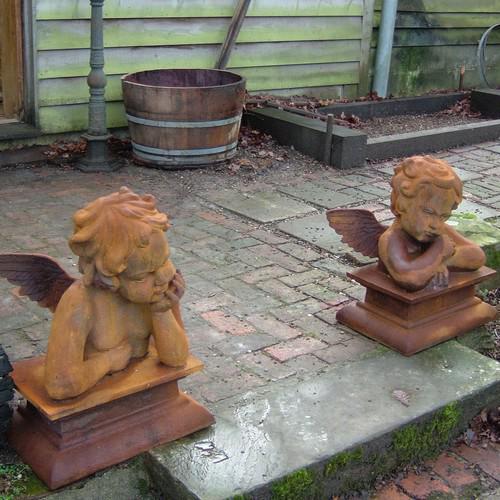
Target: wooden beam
(232, 33)
(364, 65)
(12, 60)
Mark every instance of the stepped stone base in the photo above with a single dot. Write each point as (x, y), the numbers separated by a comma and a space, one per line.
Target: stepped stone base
(327, 434)
(123, 415)
(410, 322)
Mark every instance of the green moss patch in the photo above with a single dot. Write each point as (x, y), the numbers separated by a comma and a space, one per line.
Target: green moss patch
(299, 485)
(484, 234)
(418, 442)
(17, 481)
(475, 229)
(357, 469)
(342, 460)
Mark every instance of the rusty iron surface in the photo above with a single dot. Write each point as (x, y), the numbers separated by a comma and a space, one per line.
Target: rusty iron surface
(78, 440)
(411, 322)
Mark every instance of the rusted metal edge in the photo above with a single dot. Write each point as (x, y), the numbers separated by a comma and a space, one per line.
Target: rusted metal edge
(183, 124)
(158, 152)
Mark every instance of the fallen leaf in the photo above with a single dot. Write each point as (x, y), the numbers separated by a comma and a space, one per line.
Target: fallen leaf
(402, 396)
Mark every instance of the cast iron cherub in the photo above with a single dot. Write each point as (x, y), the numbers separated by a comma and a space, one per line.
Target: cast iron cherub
(419, 248)
(128, 292)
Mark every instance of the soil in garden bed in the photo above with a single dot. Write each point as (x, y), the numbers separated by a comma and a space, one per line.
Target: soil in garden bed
(492, 297)
(459, 113)
(388, 125)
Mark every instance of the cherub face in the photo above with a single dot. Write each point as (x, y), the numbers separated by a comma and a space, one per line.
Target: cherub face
(148, 274)
(427, 213)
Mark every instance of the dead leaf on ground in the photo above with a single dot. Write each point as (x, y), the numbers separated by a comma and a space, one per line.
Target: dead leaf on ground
(402, 396)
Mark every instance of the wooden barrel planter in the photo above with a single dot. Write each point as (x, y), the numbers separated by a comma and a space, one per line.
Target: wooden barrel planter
(183, 117)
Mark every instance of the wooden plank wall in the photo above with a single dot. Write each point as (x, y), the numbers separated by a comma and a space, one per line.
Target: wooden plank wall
(285, 47)
(12, 62)
(434, 38)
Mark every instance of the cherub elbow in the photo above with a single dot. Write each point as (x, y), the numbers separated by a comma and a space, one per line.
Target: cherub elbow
(63, 386)
(477, 260)
(412, 281)
(176, 359)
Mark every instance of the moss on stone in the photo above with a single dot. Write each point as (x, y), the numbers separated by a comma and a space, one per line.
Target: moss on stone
(481, 232)
(341, 460)
(143, 486)
(18, 480)
(375, 352)
(299, 485)
(471, 491)
(357, 469)
(418, 442)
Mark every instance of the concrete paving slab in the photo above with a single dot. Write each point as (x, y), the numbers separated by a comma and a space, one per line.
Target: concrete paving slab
(262, 206)
(265, 440)
(480, 211)
(319, 195)
(315, 229)
(126, 481)
(466, 175)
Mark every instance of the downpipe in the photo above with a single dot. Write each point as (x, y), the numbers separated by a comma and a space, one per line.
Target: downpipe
(384, 47)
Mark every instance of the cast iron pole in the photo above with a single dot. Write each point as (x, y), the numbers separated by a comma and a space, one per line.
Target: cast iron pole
(97, 158)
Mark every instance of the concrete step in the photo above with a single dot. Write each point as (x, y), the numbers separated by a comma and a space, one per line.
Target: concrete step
(331, 433)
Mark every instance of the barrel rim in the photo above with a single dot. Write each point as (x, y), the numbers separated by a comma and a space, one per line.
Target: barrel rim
(241, 80)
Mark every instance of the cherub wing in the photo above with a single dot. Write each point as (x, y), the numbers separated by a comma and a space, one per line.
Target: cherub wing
(40, 277)
(359, 229)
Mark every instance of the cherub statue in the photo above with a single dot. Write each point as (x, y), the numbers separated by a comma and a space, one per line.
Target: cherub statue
(419, 248)
(129, 292)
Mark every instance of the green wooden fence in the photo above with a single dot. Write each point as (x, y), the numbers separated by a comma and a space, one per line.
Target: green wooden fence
(434, 38)
(286, 47)
(317, 47)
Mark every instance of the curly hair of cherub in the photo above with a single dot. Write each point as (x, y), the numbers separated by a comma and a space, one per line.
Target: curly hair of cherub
(416, 173)
(108, 230)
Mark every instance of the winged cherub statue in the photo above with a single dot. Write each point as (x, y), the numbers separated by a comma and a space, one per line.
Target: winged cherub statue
(129, 291)
(419, 248)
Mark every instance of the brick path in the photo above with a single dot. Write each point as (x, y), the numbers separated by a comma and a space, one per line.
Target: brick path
(461, 472)
(260, 304)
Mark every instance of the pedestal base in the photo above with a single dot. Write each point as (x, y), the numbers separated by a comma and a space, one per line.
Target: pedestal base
(63, 444)
(411, 322)
(97, 157)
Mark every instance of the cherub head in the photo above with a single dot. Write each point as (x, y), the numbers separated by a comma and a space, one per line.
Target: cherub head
(425, 190)
(122, 247)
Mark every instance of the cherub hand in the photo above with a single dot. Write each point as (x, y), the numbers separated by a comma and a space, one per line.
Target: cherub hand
(448, 247)
(172, 295)
(119, 356)
(440, 279)
(178, 284)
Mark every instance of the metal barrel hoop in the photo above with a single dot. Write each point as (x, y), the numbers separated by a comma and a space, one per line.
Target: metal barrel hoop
(481, 54)
(183, 117)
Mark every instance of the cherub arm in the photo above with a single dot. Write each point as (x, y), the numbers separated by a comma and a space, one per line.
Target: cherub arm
(67, 372)
(412, 273)
(168, 328)
(468, 255)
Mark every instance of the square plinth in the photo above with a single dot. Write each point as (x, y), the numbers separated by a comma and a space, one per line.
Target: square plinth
(125, 414)
(409, 322)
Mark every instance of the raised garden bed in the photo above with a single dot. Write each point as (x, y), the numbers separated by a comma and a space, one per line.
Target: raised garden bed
(350, 147)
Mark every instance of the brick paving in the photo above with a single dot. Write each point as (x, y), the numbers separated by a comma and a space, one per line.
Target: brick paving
(462, 472)
(260, 304)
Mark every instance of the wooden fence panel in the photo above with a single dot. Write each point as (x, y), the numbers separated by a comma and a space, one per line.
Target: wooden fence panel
(306, 45)
(434, 38)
